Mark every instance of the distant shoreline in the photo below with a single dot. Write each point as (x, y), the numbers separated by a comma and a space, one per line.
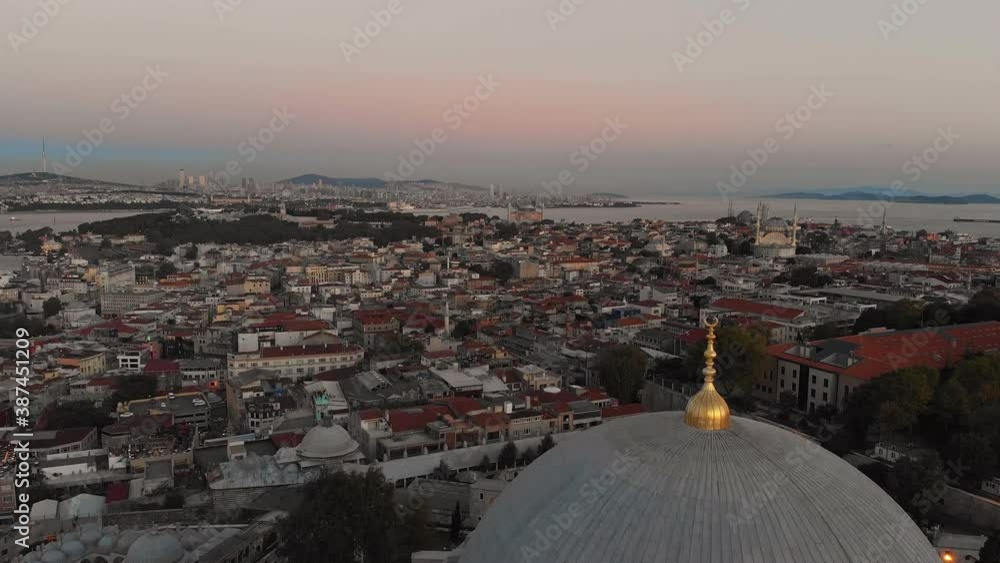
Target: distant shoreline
(888, 196)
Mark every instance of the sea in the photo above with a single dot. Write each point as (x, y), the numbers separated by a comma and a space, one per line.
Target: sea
(900, 216)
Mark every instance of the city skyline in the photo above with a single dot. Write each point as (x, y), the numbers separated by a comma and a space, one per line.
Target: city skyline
(694, 87)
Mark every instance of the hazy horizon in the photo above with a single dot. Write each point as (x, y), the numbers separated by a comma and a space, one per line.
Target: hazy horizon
(222, 68)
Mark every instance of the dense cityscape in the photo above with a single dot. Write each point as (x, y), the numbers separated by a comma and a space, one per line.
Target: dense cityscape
(215, 381)
(533, 281)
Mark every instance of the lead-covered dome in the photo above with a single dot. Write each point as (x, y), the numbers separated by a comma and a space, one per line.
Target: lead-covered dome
(650, 488)
(327, 442)
(156, 547)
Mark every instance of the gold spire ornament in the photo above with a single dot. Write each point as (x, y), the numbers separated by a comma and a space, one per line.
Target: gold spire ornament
(708, 410)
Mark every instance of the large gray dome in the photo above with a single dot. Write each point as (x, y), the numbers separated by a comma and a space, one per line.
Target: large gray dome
(327, 442)
(651, 489)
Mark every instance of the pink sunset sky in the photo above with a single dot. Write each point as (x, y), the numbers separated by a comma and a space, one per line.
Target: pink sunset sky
(895, 83)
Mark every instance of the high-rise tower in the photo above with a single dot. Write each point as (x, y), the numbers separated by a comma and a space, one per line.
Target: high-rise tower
(45, 158)
(180, 178)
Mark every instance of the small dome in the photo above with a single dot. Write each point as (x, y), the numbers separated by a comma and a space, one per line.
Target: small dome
(73, 549)
(126, 539)
(54, 556)
(91, 537)
(327, 442)
(156, 547)
(106, 545)
(776, 223)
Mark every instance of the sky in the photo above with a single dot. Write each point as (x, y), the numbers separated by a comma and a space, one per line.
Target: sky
(695, 88)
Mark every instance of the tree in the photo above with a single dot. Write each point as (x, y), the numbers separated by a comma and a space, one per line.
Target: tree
(508, 456)
(77, 414)
(825, 331)
(502, 271)
(105, 243)
(442, 472)
(192, 252)
(51, 307)
(345, 518)
(622, 370)
(463, 328)
(984, 306)
(546, 444)
(132, 387)
(742, 358)
(166, 269)
(990, 553)
(455, 530)
(485, 464)
(911, 483)
(529, 455)
(975, 451)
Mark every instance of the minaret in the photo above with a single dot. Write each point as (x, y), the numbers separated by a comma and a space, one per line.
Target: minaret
(708, 410)
(795, 226)
(760, 210)
(447, 319)
(45, 158)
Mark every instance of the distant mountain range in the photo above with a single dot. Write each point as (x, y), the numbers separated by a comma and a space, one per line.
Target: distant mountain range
(41, 178)
(869, 193)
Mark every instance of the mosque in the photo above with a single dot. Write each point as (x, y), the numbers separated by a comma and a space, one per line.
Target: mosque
(92, 543)
(775, 238)
(699, 486)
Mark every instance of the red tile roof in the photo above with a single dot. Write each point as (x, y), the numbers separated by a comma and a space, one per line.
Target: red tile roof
(876, 354)
(162, 366)
(411, 419)
(461, 405)
(491, 419)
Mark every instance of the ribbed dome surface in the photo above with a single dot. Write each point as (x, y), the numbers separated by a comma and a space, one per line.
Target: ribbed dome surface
(651, 489)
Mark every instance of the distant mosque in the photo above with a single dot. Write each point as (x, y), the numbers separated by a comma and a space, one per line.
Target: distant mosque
(517, 214)
(775, 238)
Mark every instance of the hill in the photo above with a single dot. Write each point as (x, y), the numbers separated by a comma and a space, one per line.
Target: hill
(28, 179)
(874, 194)
(311, 179)
(373, 183)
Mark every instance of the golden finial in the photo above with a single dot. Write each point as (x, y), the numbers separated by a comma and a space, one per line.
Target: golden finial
(708, 410)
